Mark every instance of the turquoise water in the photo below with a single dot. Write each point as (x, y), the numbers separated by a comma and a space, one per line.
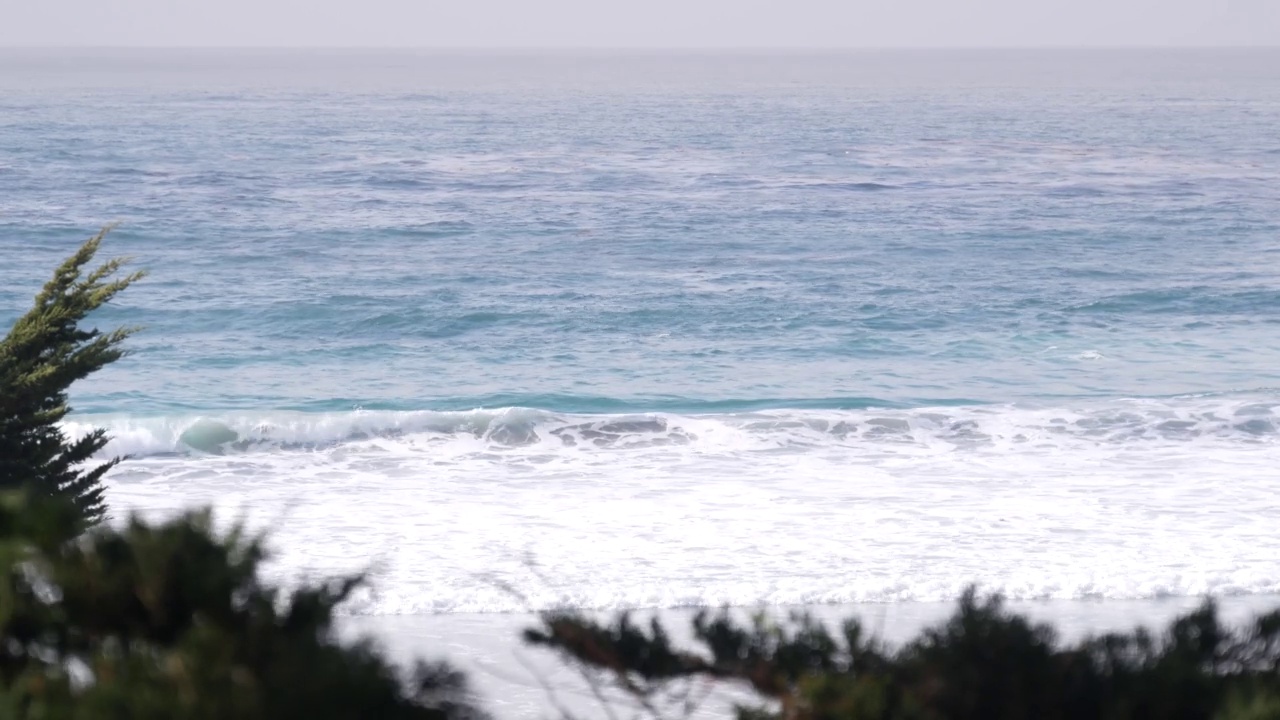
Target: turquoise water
(582, 282)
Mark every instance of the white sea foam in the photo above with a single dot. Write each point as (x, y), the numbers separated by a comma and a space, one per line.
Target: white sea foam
(1177, 420)
(503, 510)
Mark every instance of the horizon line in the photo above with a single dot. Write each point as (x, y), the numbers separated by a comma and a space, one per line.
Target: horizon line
(642, 48)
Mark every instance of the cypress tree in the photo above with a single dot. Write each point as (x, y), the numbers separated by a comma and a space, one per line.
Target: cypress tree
(44, 353)
(142, 621)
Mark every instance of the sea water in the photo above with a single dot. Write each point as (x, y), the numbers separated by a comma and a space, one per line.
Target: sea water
(654, 330)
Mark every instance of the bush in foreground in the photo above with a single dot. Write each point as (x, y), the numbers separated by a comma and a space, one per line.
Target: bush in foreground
(173, 620)
(982, 664)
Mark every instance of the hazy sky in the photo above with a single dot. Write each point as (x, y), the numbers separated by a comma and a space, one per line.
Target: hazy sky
(639, 23)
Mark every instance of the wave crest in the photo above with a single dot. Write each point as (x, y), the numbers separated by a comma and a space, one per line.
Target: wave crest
(504, 429)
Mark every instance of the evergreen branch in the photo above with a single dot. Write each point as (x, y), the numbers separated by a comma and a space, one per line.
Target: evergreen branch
(45, 352)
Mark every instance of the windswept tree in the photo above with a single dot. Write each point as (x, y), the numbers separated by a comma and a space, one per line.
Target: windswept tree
(46, 351)
(155, 621)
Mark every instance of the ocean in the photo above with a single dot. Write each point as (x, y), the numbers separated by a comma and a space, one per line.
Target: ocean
(655, 330)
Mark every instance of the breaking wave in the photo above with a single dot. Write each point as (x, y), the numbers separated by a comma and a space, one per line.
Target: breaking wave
(1187, 419)
(508, 509)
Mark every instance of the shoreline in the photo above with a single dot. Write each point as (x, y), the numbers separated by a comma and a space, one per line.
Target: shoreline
(517, 682)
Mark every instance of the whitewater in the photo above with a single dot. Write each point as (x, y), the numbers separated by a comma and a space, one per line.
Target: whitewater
(517, 509)
(514, 332)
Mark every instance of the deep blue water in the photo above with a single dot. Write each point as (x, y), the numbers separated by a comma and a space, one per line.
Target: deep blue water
(662, 233)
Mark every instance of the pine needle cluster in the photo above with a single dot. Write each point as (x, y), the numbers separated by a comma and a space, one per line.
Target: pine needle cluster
(45, 352)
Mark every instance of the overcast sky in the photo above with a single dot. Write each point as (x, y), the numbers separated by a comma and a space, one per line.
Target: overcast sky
(639, 23)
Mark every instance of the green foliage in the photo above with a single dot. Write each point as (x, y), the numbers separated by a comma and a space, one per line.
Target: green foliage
(153, 621)
(1251, 705)
(984, 663)
(173, 621)
(44, 353)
